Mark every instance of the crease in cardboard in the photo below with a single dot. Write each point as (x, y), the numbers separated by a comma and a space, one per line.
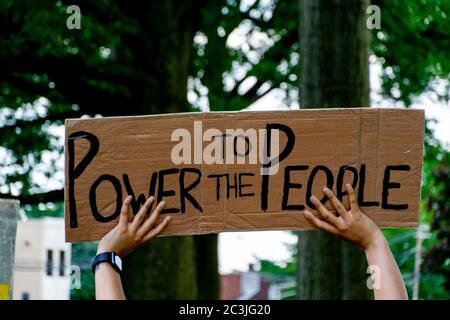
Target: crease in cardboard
(377, 192)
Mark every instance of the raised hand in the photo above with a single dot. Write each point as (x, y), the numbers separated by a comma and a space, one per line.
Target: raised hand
(127, 236)
(352, 225)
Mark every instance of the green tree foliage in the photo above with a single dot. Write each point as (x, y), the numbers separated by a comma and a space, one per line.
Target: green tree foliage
(126, 59)
(264, 53)
(436, 205)
(413, 46)
(49, 73)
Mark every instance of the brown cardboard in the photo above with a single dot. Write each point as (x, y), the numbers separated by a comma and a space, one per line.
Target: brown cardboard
(139, 146)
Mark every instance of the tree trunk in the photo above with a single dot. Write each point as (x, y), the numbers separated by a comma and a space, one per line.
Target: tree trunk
(167, 267)
(162, 269)
(334, 45)
(207, 261)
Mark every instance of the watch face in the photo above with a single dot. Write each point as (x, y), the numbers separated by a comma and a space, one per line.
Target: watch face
(118, 261)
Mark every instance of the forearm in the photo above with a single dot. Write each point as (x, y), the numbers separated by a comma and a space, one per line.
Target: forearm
(108, 285)
(391, 282)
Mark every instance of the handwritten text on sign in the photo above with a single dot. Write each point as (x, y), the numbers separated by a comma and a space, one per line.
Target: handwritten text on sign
(242, 171)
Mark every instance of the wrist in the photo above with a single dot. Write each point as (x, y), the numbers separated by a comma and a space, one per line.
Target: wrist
(104, 266)
(377, 240)
(110, 258)
(104, 248)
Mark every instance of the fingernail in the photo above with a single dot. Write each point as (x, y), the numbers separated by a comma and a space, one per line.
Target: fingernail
(162, 203)
(128, 198)
(313, 199)
(306, 213)
(326, 190)
(168, 218)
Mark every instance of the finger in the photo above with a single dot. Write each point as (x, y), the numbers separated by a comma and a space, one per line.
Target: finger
(150, 222)
(123, 218)
(326, 214)
(323, 225)
(160, 227)
(142, 214)
(352, 196)
(336, 203)
(346, 201)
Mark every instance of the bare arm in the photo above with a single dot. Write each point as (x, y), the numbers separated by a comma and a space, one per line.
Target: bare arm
(354, 226)
(108, 285)
(391, 281)
(122, 240)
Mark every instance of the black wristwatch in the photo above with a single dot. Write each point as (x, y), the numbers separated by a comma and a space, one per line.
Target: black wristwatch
(111, 257)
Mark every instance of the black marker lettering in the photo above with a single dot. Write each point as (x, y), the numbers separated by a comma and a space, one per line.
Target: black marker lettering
(231, 186)
(217, 176)
(223, 136)
(340, 181)
(184, 191)
(290, 142)
(288, 185)
(362, 182)
(264, 191)
(136, 204)
(152, 187)
(242, 186)
(93, 198)
(75, 172)
(392, 185)
(330, 181)
(166, 193)
(247, 143)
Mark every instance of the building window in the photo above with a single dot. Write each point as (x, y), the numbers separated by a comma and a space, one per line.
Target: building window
(49, 265)
(62, 263)
(25, 296)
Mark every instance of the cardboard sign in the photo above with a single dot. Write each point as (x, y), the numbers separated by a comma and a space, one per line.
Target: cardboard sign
(242, 170)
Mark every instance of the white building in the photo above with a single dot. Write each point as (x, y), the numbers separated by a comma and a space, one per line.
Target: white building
(42, 260)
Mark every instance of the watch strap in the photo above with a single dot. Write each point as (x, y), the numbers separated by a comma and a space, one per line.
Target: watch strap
(111, 257)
